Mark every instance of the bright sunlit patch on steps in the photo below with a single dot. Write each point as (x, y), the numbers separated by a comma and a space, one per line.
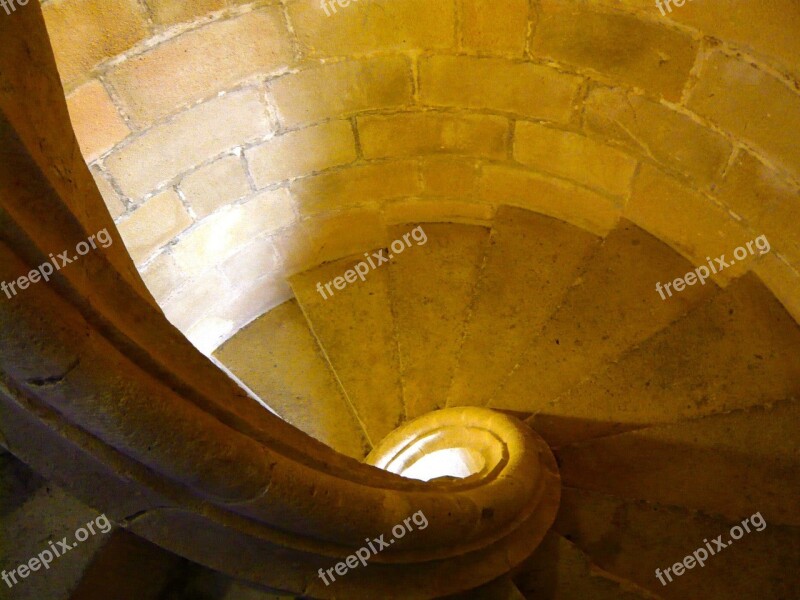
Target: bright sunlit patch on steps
(451, 462)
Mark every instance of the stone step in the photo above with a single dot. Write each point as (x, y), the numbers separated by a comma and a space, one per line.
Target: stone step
(613, 306)
(278, 358)
(559, 570)
(432, 285)
(355, 328)
(18, 483)
(502, 588)
(632, 538)
(33, 514)
(128, 567)
(531, 261)
(740, 349)
(724, 464)
(240, 591)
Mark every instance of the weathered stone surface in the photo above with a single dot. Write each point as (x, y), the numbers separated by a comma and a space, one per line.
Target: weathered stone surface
(355, 327)
(495, 27)
(652, 130)
(531, 90)
(449, 176)
(725, 464)
(642, 53)
(687, 220)
(362, 185)
(215, 185)
(738, 350)
(410, 134)
(530, 262)
(153, 224)
(559, 570)
(769, 204)
(432, 289)
(556, 198)
(356, 28)
(782, 280)
(167, 12)
(115, 205)
(203, 61)
(253, 261)
(342, 89)
(752, 104)
(574, 157)
(438, 210)
(227, 231)
(163, 276)
(279, 359)
(324, 238)
(128, 567)
(612, 307)
(97, 123)
(189, 303)
(86, 32)
(301, 152)
(194, 136)
(632, 539)
(763, 28)
(31, 517)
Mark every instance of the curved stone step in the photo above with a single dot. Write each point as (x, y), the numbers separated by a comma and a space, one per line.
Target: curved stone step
(355, 328)
(499, 589)
(240, 591)
(531, 261)
(278, 358)
(33, 513)
(631, 539)
(128, 567)
(559, 570)
(432, 285)
(726, 464)
(18, 483)
(740, 349)
(613, 306)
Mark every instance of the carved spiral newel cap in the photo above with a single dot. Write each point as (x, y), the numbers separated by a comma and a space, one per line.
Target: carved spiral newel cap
(490, 459)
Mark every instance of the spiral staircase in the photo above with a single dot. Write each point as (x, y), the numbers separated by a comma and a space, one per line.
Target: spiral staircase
(669, 419)
(515, 376)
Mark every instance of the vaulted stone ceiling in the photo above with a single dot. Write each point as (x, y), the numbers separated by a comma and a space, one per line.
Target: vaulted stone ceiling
(237, 143)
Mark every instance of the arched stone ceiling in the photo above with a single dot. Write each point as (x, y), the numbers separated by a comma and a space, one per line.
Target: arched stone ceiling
(235, 143)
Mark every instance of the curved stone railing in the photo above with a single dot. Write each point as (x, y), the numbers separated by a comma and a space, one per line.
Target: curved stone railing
(101, 394)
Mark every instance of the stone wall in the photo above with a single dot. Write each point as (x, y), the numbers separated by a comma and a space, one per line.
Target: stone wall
(236, 143)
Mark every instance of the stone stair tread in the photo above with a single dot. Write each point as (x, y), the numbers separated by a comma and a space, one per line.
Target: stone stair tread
(432, 285)
(128, 567)
(723, 464)
(502, 588)
(531, 261)
(612, 307)
(633, 538)
(355, 328)
(739, 349)
(240, 591)
(278, 358)
(559, 570)
(34, 512)
(18, 483)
